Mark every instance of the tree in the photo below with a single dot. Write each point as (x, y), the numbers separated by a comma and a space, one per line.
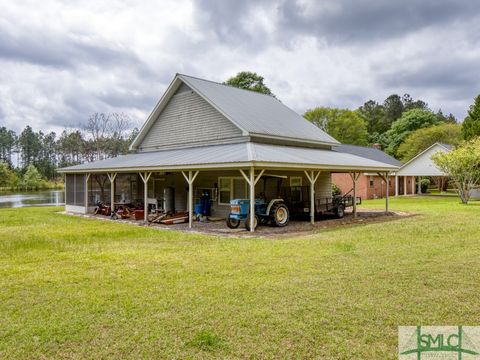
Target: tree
(409, 103)
(449, 119)
(410, 121)
(32, 178)
(4, 174)
(346, 126)
(393, 106)
(321, 116)
(471, 124)
(421, 139)
(250, 81)
(462, 165)
(30, 145)
(374, 115)
(7, 144)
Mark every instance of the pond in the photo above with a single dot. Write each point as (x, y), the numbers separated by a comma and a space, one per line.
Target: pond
(32, 198)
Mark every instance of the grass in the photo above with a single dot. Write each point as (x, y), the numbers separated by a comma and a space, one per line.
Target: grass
(86, 289)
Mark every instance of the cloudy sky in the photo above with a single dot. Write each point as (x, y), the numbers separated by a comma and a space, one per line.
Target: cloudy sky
(61, 61)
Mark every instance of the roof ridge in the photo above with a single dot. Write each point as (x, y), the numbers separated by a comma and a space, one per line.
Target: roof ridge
(227, 85)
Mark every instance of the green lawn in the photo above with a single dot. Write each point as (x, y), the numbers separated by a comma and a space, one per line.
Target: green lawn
(81, 288)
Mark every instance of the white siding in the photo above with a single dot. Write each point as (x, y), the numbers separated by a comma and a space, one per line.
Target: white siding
(188, 119)
(423, 165)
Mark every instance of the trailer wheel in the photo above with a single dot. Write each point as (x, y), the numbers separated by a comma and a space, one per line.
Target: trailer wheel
(340, 211)
(280, 215)
(233, 223)
(255, 222)
(264, 220)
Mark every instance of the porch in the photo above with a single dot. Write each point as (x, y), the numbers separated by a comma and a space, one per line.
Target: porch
(181, 192)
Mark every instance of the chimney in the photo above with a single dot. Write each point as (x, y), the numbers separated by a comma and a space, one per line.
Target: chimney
(377, 146)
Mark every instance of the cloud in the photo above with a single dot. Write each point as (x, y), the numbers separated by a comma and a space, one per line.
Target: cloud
(62, 61)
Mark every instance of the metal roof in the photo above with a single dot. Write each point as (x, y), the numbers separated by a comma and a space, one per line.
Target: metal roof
(234, 155)
(254, 113)
(368, 153)
(257, 113)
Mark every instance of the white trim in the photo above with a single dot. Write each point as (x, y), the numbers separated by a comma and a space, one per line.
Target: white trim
(263, 164)
(420, 154)
(76, 209)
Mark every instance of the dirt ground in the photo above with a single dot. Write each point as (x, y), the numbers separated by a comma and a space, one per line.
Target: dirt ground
(294, 228)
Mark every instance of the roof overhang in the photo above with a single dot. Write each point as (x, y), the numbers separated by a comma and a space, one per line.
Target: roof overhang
(235, 156)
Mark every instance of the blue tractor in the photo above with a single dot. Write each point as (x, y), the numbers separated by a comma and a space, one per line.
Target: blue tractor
(275, 212)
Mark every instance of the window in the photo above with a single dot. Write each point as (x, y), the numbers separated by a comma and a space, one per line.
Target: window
(295, 181)
(231, 188)
(372, 181)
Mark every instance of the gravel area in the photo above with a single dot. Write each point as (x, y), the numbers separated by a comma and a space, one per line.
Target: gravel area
(294, 227)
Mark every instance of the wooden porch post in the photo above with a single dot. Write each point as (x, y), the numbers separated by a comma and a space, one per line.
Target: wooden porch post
(111, 177)
(396, 185)
(252, 181)
(354, 177)
(312, 177)
(419, 186)
(190, 179)
(87, 177)
(387, 192)
(145, 177)
(413, 185)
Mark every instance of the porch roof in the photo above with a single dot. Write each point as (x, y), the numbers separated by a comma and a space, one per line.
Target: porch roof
(239, 155)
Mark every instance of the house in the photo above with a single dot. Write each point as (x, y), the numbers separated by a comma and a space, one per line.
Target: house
(370, 185)
(206, 137)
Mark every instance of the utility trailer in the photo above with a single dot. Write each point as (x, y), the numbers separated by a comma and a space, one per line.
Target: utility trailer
(297, 198)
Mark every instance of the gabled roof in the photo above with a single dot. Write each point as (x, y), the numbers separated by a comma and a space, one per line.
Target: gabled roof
(368, 153)
(256, 114)
(447, 147)
(238, 155)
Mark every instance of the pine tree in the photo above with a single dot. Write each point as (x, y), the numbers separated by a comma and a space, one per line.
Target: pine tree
(471, 124)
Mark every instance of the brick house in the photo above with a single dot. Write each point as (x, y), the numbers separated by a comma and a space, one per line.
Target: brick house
(370, 185)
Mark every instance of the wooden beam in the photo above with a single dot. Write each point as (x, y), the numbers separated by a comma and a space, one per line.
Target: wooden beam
(190, 178)
(112, 177)
(354, 177)
(251, 182)
(145, 177)
(312, 178)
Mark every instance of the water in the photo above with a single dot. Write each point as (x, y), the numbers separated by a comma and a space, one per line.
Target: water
(32, 198)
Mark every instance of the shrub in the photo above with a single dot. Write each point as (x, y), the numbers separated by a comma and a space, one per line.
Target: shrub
(424, 184)
(336, 190)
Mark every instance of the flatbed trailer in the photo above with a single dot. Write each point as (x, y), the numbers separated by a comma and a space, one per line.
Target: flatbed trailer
(298, 201)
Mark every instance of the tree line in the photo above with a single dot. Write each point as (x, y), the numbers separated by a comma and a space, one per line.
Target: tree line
(29, 160)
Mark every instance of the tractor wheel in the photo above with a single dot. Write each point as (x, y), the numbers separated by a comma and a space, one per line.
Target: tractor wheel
(232, 223)
(255, 222)
(280, 215)
(340, 212)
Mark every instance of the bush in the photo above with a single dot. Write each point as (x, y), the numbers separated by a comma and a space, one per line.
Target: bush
(424, 184)
(336, 190)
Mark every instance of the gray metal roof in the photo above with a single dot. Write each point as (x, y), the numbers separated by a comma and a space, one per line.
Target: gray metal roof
(257, 113)
(254, 113)
(234, 155)
(368, 153)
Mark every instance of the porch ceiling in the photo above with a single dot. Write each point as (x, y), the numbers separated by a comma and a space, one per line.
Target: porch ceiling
(239, 155)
